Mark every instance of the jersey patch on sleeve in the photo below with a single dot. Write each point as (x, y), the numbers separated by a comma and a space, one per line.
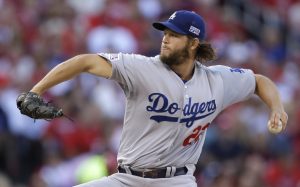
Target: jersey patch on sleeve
(113, 57)
(237, 70)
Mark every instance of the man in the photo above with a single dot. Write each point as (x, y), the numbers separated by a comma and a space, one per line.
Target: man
(171, 100)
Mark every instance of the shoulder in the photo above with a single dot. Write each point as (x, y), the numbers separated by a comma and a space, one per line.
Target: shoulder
(228, 69)
(218, 68)
(129, 57)
(225, 72)
(232, 74)
(212, 70)
(221, 69)
(142, 58)
(143, 62)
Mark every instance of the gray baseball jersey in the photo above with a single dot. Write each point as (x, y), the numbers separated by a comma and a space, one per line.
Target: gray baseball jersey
(166, 119)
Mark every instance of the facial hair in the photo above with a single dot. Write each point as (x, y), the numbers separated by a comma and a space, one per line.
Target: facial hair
(176, 57)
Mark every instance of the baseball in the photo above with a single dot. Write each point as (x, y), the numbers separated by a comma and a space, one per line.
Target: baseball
(275, 129)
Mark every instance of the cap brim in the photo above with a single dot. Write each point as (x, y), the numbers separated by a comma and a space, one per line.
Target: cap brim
(163, 25)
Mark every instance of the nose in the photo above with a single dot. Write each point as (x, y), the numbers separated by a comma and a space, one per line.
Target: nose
(165, 39)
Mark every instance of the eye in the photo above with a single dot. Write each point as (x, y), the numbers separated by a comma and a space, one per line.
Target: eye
(173, 34)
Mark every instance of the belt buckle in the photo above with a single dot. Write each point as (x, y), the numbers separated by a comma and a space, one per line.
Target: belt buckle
(150, 174)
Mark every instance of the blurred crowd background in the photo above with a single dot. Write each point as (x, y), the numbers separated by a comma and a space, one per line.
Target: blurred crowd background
(36, 35)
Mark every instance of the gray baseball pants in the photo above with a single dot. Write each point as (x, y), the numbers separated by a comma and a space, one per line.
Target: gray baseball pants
(128, 180)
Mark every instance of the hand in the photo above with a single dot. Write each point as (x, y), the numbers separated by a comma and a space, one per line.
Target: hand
(277, 117)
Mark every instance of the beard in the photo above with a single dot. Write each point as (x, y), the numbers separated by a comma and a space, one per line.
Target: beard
(176, 57)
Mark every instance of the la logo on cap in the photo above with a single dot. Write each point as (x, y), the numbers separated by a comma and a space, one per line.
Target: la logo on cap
(173, 15)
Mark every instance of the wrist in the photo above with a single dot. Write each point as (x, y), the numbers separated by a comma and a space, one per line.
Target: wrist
(277, 108)
(36, 90)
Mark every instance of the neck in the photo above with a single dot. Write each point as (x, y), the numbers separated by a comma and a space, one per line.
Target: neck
(184, 70)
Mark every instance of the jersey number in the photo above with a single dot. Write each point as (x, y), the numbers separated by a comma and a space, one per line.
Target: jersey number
(194, 137)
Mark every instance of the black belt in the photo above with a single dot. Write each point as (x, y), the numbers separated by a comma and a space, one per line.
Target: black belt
(154, 173)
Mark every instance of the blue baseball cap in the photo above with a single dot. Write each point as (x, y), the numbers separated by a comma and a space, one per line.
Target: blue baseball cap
(184, 22)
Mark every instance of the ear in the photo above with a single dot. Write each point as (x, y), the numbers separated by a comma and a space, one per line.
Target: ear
(194, 43)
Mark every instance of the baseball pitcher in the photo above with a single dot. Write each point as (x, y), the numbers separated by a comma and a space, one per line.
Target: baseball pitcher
(171, 100)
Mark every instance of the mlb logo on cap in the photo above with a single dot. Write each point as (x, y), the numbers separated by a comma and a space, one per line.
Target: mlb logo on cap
(184, 22)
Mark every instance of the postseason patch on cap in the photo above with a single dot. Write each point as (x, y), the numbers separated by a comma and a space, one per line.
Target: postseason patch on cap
(194, 30)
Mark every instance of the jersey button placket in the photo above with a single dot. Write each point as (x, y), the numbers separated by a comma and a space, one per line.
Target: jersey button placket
(186, 96)
(184, 100)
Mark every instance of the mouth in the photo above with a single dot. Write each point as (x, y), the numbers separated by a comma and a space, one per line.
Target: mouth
(164, 48)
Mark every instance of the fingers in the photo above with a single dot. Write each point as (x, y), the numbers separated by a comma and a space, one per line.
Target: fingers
(277, 116)
(275, 128)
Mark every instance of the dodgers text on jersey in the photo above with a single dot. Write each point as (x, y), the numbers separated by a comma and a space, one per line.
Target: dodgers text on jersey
(167, 111)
